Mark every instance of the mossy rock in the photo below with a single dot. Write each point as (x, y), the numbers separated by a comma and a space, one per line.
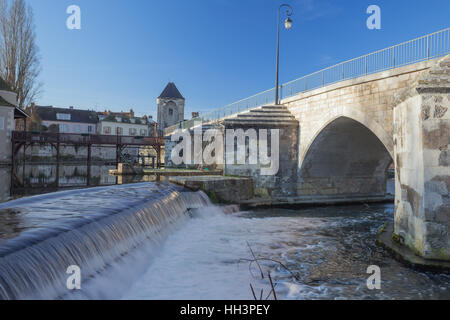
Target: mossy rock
(398, 239)
(212, 196)
(382, 229)
(262, 193)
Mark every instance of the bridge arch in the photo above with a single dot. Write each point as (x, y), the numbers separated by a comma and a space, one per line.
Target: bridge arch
(346, 158)
(355, 114)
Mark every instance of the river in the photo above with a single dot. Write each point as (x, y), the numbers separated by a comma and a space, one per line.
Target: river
(327, 251)
(134, 242)
(41, 179)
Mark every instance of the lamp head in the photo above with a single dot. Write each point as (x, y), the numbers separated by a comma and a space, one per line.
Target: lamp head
(288, 23)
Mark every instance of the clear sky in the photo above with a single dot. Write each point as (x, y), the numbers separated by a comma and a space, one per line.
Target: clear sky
(216, 51)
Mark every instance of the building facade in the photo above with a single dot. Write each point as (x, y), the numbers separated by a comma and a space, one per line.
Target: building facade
(67, 120)
(125, 124)
(170, 107)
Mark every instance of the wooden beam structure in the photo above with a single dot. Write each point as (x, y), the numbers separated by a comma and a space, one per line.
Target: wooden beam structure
(24, 140)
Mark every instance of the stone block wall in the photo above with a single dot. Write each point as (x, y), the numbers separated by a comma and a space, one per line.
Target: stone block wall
(7, 125)
(218, 188)
(422, 144)
(284, 182)
(5, 178)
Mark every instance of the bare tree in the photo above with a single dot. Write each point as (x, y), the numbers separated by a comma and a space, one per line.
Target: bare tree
(19, 58)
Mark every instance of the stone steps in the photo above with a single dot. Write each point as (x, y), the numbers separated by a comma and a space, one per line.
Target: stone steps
(262, 118)
(271, 109)
(267, 115)
(274, 108)
(271, 123)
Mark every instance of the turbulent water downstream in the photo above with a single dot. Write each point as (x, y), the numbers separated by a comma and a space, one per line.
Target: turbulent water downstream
(141, 242)
(327, 249)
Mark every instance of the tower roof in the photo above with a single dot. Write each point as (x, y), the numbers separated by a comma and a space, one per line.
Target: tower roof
(171, 92)
(4, 86)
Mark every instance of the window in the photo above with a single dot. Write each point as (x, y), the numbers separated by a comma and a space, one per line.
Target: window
(170, 112)
(77, 128)
(143, 132)
(63, 116)
(133, 131)
(63, 128)
(119, 131)
(2, 123)
(107, 130)
(90, 129)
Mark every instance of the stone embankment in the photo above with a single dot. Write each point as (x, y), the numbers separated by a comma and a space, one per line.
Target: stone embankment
(220, 189)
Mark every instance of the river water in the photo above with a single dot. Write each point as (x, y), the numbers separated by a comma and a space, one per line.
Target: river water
(135, 242)
(326, 252)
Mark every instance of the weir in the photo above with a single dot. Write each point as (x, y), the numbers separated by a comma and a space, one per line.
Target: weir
(42, 236)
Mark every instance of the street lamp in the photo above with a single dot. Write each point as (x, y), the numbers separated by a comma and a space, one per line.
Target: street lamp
(287, 25)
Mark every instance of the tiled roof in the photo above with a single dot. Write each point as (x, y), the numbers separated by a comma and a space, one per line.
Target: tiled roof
(81, 116)
(171, 92)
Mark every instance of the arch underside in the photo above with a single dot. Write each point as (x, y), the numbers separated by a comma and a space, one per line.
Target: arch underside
(345, 159)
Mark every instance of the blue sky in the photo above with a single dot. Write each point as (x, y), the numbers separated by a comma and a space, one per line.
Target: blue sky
(216, 51)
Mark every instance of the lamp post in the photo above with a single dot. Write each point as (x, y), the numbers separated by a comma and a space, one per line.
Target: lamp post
(287, 25)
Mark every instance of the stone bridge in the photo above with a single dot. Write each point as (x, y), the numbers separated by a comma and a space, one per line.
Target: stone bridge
(337, 143)
(351, 132)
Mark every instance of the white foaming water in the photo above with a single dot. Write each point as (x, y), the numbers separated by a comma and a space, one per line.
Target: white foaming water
(202, 260)
(327, 251)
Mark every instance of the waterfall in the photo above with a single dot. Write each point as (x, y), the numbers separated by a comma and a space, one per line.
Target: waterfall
(90, 228)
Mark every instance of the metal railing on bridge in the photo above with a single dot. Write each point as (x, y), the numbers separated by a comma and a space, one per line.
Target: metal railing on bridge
(428, 47)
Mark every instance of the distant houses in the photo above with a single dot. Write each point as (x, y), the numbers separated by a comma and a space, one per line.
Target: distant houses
(71, 120)
(67, 120)
(76, 121)
(125, 123)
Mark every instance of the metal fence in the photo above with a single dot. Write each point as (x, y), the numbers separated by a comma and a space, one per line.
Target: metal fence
(428, 47)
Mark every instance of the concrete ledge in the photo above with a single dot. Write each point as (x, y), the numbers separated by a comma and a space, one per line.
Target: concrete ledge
(220, 189)
(406, 255)
(172, 172)
(293, 201)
